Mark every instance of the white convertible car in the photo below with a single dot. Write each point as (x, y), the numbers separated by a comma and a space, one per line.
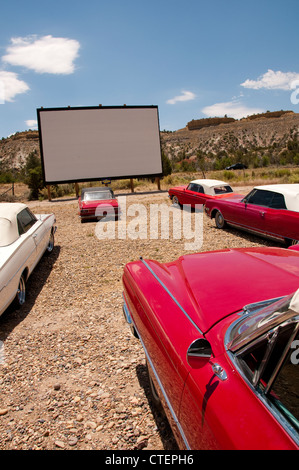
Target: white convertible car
(24, 237)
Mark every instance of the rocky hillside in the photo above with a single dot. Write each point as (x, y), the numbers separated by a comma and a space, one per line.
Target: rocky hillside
(259, 134)
(15, 149)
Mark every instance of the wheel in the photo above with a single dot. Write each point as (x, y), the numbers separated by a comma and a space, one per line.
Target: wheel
(50, 246)
(175, 201)
(21, 292)
(219, 220)
(289, 242)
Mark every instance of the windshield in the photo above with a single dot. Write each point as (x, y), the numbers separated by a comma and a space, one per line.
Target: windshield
(223, 189)
(98, 195)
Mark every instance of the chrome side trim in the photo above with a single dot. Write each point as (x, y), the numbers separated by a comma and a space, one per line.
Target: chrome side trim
(263, 233)
(158, 379)
(171, 295)
(126, 311)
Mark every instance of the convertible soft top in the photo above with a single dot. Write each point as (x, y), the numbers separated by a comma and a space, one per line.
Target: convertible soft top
(8, 222)
(209, 184)
(289, 191)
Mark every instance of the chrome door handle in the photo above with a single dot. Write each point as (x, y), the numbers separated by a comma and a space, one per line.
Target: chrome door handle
(219, 371)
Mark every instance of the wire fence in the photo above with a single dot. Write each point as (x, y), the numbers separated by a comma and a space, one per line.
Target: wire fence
(12, 189)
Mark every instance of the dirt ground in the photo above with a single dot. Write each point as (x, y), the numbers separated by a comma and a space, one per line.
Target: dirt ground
(71, 374)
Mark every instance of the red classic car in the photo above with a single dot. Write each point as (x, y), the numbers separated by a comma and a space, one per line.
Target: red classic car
(95, 203)
(220, 335)
(199, 191)
(271, 211)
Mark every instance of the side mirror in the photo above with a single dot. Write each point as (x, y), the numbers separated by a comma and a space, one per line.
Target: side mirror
(199, 353)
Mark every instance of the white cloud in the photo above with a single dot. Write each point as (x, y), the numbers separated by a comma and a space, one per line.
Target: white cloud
(43, 55)
(272, 81)
(185, 96)
(10, 86)
(234, 109)
(31, 123)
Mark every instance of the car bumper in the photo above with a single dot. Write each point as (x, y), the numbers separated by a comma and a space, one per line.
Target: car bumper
(88, 214)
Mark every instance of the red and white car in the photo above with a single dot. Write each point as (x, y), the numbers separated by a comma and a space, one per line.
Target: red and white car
(220, 335)
(199, 191)
(98, 202)
(271, 211)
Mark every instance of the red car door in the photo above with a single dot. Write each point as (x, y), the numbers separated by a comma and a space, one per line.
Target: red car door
(193, 194)
(160, 331)
(255, 207)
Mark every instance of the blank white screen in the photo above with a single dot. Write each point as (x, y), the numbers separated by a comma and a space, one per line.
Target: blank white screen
(92, 143)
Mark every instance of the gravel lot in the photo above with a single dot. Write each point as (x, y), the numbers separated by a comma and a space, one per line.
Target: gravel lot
(71, 374)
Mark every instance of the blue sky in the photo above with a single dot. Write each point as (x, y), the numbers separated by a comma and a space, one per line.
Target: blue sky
(192, 59)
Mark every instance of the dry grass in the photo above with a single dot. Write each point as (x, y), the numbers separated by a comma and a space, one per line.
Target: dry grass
(249, 177)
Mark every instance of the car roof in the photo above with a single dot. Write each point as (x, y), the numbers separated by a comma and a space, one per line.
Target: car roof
(8, 222)
(210, 182)
(9, 210)
(290, 192)
(213, 285)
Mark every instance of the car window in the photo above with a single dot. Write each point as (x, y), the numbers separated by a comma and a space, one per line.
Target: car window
(272, 367)
(98, 195)
(25, 220)
(223, 189)
(278, 201)
(285, 390)
(261, 197)
(196, 187)
(199, 189)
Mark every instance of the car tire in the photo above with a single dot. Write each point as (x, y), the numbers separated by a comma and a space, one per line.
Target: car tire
(175, 201)
(154, 394)
(289, 242)
(219, 220)
(50, 246)
(21, 292)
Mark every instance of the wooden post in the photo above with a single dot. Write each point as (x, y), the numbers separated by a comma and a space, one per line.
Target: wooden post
(132, 185)
(77, 189)
(158, 183)
(49, 193)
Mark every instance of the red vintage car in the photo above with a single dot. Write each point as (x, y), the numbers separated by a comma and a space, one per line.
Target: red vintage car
(95, 203)
(199, 191)
(220, 335)
(270, 211)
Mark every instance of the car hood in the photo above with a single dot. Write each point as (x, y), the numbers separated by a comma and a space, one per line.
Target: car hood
(179, 188)
(210, 286)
